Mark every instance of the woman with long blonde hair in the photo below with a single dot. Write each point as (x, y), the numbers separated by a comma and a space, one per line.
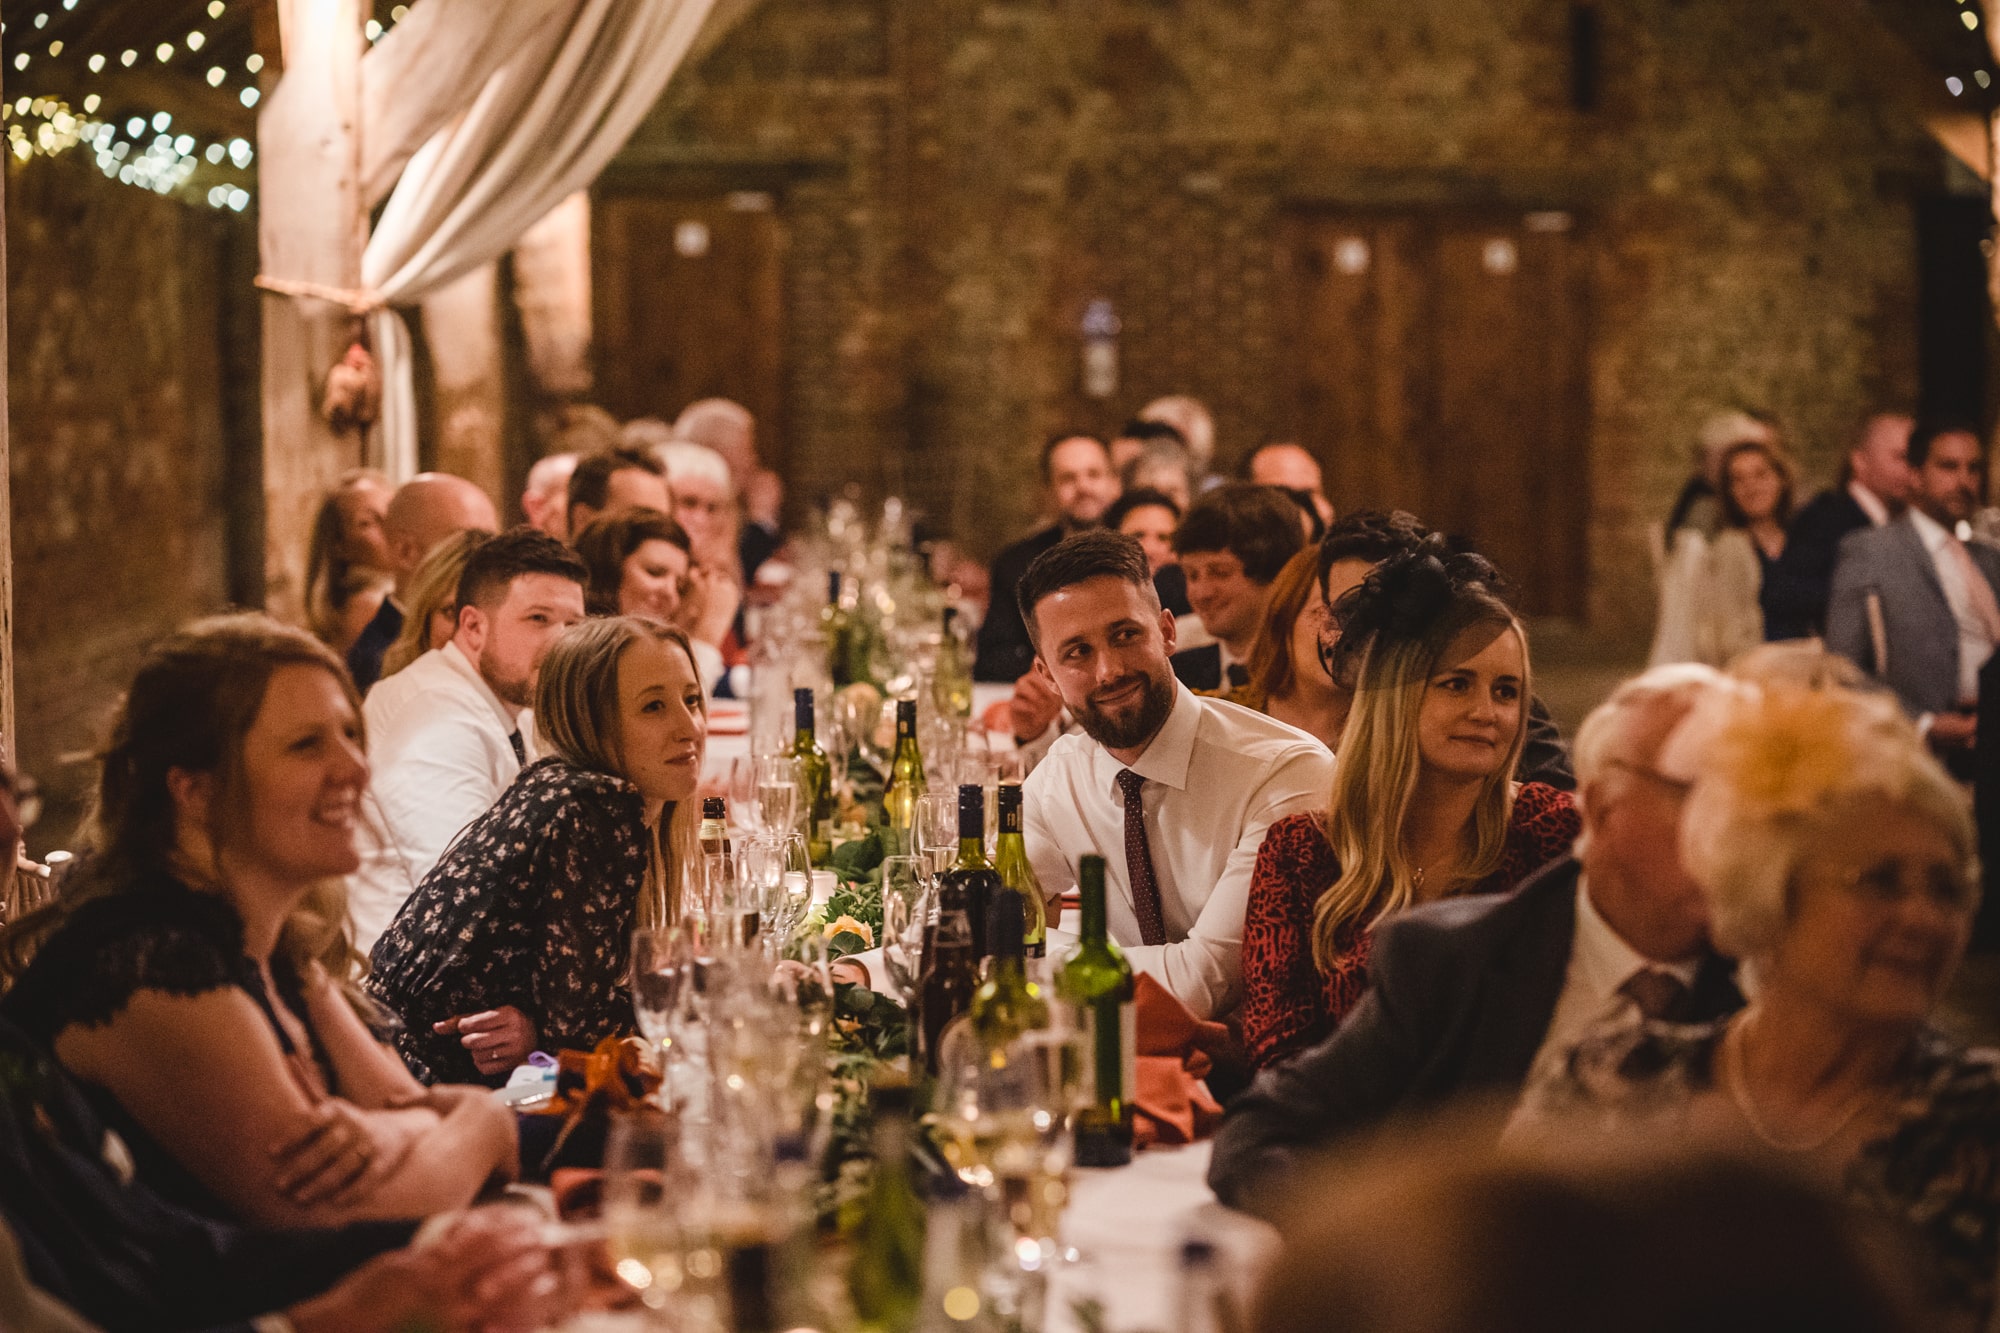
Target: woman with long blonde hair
(518, 939)
(195, 973)
(1424, 803)
(430, 602)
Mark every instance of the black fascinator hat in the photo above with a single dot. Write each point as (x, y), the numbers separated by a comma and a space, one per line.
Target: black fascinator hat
(1413, 595)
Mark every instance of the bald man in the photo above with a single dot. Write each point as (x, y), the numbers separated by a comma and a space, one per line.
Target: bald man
(1289, 467)
(545, 500)
(425, 510)
(729, 429)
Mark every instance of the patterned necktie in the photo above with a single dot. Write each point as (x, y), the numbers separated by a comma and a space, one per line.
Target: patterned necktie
(1660, 995)
(1985, 607)
(520, 750)
(1139, 862)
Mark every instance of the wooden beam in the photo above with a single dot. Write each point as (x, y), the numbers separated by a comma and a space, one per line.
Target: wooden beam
(311, 228)
(1900, 78)
(429, 68)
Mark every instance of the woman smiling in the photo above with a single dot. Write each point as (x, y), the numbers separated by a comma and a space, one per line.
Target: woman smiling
(520, 936)
(1423, 805)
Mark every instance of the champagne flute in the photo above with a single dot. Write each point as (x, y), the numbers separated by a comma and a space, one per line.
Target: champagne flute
(760, 872)
(777, 793)
(641, 1231)
(742, 780)
(662, 973)
(937, 827)
(903, 915)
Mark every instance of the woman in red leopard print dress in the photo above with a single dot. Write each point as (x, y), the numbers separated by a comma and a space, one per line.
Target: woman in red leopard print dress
(1423, 806)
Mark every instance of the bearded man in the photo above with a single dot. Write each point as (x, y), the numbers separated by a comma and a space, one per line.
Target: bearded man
(1173, 790)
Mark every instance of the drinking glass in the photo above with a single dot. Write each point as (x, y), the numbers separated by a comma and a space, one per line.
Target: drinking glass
(937, 828)
(742, 780)
(1005, 1121)
(777, 793)
(760, 872)
(662, 977)
(642, 1233)
(904, 909)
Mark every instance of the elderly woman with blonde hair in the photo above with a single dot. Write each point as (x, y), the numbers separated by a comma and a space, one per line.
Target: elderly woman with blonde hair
(1838, 862)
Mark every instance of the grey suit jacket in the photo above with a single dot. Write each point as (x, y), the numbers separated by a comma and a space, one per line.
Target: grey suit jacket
(1890, 564)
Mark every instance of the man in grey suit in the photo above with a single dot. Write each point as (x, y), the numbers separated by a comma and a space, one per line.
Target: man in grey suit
(1915, 604)
(1467, 995)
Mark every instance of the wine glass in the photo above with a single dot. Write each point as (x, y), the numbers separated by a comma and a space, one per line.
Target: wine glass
(640, 1228)
(742, 787)
(904, 908)
(937, 827)
(760, 873)
(777, 792)
(662, 976)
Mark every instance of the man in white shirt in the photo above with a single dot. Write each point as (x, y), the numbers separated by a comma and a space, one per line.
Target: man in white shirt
(1175, 791)
(1466, 995)
(444, 733)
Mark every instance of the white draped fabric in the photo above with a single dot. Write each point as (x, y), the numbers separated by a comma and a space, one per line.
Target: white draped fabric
(543, 126)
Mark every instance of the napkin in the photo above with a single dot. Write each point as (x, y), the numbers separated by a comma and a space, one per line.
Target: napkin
(1172, 1104)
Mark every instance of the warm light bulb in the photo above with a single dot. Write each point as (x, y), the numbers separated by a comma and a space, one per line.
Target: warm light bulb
(216, 76)
(165, 51)
(254, 63)
(249, 97)
(96, 64)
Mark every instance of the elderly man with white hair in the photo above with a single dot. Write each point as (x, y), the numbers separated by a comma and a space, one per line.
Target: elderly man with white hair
(545, 499)
(729, 428)
(1466, 995)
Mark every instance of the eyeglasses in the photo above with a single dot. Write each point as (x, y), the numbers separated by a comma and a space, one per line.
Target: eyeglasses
(1674, 785)
(1894, 881)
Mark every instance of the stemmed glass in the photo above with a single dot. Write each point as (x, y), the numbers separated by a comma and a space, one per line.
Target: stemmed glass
(1005, 1119)
(778, 793)
(742, 780)
(663, 964)
(644, 1236)
(905, 907)
(937, 828)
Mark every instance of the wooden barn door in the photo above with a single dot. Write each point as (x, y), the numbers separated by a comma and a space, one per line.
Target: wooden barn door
(689, 296)
(1438, 365)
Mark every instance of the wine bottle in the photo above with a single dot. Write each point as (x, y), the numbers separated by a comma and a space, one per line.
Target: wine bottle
(1006, 1004)
(885, 1280)
(906, 782)
(1096, 981)
(950, 971)
(837, 626)
(951, 684)
(815, 780)
(972, 871)
(1010, 861)
(714, 827)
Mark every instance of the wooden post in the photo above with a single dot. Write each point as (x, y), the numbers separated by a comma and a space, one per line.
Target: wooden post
(311, 228)
(10, 748)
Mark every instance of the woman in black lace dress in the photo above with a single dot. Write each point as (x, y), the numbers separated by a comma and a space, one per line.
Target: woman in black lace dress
(519, 939)
(194, 975)
(1837, 858)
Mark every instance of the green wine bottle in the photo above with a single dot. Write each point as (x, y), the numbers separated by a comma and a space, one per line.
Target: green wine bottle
(1010, 860)
(1006, 1004)
(837, 625)
(1097, 982)
(906, 782)
(972, 873)
(951, 685)
(885, 1279)
(815, 780)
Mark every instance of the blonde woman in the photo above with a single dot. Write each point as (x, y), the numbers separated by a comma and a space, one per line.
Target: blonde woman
(1838, 863)
(430, 603)
(194, 975)
(518, 939)
(1424, 805)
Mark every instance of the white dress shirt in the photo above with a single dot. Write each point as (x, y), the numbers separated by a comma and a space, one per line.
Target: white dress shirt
(439, 755)
(1600, 961)
(1871, 504)
(1217, 775)
(1975, 644)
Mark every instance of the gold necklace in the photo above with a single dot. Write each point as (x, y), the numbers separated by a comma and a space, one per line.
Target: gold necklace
(1737, 1084)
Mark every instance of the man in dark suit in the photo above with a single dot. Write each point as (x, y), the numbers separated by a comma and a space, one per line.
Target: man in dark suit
(1874, 486)
(425, 510)
(1466, 996)
(1077, 471)
(1916, 605)
(1231, 546)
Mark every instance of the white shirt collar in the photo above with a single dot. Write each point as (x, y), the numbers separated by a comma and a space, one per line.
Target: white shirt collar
(455, 658)
(1170, 753)
(1871, 503)
(1610, 962)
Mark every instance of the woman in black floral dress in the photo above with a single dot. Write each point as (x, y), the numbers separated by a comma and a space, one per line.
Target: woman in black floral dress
(1837, 859)
(518, 940)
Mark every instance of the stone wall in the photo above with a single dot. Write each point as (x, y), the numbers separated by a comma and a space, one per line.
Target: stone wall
(118, 301)
(964, 174)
